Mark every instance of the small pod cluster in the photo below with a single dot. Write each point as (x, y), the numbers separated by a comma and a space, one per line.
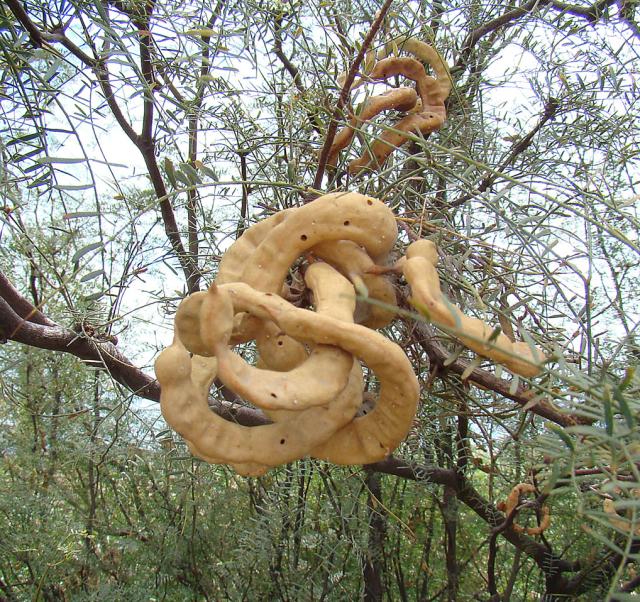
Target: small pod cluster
(424, 106)
(308, 377)
(511, 505)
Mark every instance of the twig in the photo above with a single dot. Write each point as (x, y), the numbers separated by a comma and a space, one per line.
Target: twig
(312, 116)
(631, 586)
(193, 283)
(591, 13)
(425, 337)
(144, 142)
(344, 95)
(294, 72)
(244, 206)
(550, 111)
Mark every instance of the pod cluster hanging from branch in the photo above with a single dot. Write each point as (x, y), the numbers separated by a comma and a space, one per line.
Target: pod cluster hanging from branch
(424, 107)
(308, 378)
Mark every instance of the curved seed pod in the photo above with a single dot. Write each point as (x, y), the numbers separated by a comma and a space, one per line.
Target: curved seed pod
(318, 379)
(335, 216)
(396, 136)
(441, 88)
(336, 300)
(407, 67)
(429, 112)
(235, 258)
(189, 327)
(278, 351)
(372, 315)
(354, 262)
(368, 438)
(512, 502)
(420, 272)
(399, 99)
(183, 401)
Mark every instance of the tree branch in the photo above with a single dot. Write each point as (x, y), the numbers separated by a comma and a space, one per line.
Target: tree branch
(591, 13)
(426, 338)
(21, 306)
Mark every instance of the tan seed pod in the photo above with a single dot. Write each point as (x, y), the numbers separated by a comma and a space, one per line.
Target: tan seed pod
(427, 114)
(235, 258)
(355, 263)
(365, 439)
(318, 379)
(396, 136)
(278, 351)
(336, 216)
(184, 405)
(441, 85)
(398, 99)
(420, 272)
(514, 499)
(368, 438)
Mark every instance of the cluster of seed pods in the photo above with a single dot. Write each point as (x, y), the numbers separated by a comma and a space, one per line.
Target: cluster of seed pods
(511, 505)
(308, 379)
(424, 106)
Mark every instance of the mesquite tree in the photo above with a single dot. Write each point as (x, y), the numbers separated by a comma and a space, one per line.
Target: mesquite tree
(139, 138)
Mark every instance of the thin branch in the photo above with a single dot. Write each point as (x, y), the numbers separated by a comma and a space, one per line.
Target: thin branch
(312, 116)
(344, 95)
(193, 284)
(591, 13)
(23, 18)
(550, 111)
(146, 67)
(426, 338)
(244, 203)
(493, 548)
(630, 586)
(144, 142)
(284, 59)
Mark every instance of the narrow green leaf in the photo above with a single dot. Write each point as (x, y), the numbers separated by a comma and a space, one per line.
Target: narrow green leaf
(71, 187)
(31, 153)
(170, 171)
(66, 160)
(608, 412)
(91, 275)
(210, 172)
(190, 173)
(80, 214)
(624, 407)
(94, 296)
(565, 438)
(628, 377)
(80, 253)
(21, 139)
